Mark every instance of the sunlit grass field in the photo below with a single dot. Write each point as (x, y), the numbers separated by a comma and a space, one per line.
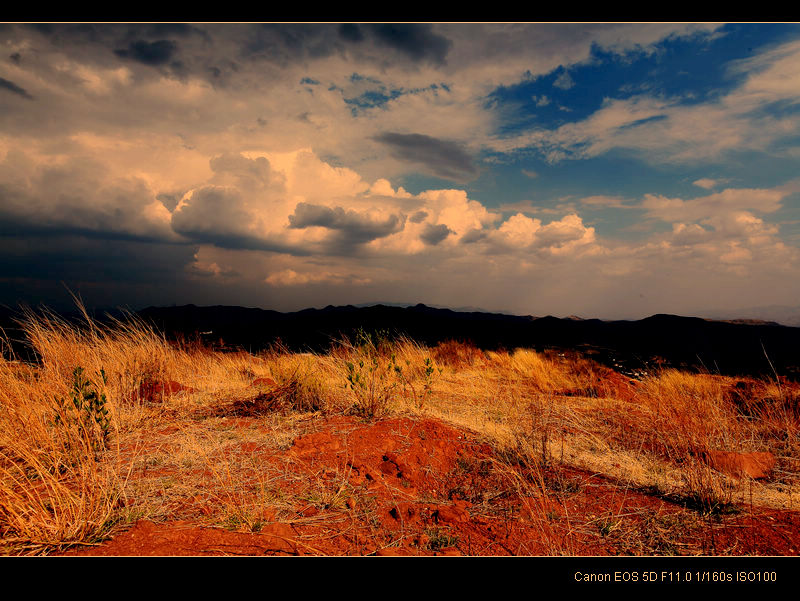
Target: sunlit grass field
(74, 424)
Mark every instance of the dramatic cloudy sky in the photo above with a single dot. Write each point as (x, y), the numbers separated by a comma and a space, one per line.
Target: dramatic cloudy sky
(603, 170)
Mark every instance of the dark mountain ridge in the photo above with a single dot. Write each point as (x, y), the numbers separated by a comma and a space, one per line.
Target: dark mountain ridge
(685, 342)
(724, 347)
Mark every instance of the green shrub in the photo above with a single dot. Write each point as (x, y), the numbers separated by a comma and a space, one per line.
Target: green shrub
(86, 412)
(371, 382)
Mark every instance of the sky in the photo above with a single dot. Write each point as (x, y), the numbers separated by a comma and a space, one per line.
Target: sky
(610, 170)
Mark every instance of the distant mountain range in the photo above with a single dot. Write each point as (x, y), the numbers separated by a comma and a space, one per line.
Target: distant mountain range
(467, 309)
(782, 314)
(733, 347)
(726, 347)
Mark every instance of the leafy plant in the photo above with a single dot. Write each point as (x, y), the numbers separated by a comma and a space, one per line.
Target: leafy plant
(607, 524)
(428, 381)
(439, 538)
(428, 372)
(87, 410)
(372, 383)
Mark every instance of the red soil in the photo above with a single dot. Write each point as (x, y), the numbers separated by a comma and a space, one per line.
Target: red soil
(402, 486)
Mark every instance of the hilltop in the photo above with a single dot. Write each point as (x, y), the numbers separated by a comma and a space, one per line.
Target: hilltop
(118, 441)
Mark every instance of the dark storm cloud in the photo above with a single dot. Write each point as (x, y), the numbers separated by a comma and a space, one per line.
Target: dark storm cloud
(351, 32)
(14, 88)
(289, 43)
(434, 234)
(43, 28)
(22, 227)
(37, 270)
(243, 241)
(417, 41)
(174, 50)
(110, 273)
(106, 33)
(441, 157)
(162, 30)
(355, 228)
(218, 52)
(79, 34)
(149, 53)
(66, 256)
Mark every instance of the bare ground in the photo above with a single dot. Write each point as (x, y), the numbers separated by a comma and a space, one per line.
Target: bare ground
(405, 486)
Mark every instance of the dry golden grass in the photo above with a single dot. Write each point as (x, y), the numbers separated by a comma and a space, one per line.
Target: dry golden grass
(58, 487)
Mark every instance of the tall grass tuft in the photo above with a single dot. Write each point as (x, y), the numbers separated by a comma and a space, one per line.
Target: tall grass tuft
(57, 421)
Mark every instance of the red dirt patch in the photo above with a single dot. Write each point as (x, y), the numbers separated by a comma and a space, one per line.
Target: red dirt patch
(182, 538)
(402, 486)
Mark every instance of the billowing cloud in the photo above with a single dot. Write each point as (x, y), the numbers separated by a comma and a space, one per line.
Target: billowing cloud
(77, 196)
(354, 227)
(559, 237)
(217, 215)
(719, 203)
(290, 165)
(232, 209)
